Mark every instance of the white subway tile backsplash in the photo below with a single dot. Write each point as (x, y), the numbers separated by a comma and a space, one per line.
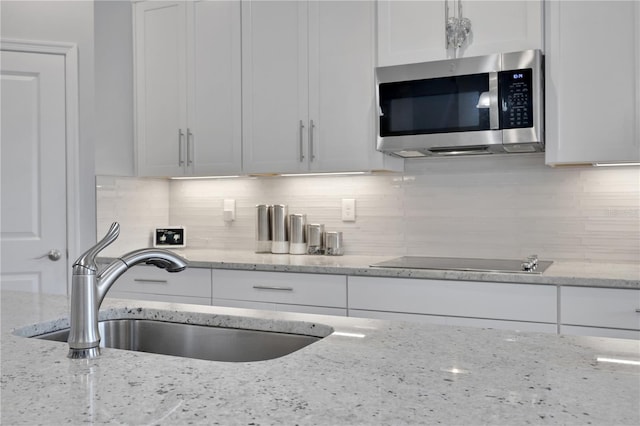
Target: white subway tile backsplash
(493, 206)
(139, 205)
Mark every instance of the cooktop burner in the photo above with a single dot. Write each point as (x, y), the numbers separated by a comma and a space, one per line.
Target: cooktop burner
(530, 265)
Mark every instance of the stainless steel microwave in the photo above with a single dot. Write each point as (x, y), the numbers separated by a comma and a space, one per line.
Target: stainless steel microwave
(476, 105)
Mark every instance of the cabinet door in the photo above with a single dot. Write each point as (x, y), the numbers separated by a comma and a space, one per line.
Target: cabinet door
(341, 85)
(503, 26)
(591, 311)
(457, 321)
(592, 73)
(280, 288)
(215, 129)
(414, 31)
(410, 31)
(192, 285)
(275, 86)
(161, 92)
(482, 300)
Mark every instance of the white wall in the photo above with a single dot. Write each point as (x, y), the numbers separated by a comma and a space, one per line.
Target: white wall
(65, 21)
(493, 206)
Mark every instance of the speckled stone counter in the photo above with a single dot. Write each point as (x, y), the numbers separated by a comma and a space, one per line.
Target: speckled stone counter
(370, 372)
(590, 274)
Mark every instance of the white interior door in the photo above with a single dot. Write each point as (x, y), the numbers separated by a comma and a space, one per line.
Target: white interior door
(33, 232)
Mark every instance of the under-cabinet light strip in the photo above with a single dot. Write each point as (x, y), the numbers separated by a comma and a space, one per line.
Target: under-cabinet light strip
(615, 164)
(323, 174)
(274, 175)
(203, 177)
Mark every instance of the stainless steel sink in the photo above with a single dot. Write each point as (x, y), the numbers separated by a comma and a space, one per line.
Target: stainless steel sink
(193, 341)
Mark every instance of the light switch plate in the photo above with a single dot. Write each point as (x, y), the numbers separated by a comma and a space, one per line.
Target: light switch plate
(170, 237)
(348, 210)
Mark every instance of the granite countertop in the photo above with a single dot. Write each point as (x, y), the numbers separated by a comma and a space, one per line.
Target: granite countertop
(590, 274)
(374, 372)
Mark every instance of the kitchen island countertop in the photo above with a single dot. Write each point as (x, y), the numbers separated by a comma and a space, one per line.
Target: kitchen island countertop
(570, 273)
(371, 372)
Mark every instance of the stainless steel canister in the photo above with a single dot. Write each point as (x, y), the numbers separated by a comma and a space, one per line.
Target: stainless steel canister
(297, 234)
(315, 236)
(333, 244)
(263, 228)
(279, 229)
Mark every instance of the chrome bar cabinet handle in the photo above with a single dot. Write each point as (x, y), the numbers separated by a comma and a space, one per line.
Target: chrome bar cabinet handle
(147, 280)
(180, 143)
(189, 147)
(301, 141)
(269, 287)
(312, 155)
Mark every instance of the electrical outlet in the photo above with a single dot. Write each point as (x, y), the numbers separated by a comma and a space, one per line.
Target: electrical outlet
(229, 210)
(348, 210)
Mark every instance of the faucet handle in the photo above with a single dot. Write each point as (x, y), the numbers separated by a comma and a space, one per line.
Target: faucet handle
(88, 260)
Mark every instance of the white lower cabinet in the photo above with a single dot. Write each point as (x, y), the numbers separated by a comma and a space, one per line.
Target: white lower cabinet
(606, 312)
(456, 321)
(281, 291)
(585, 311)
(481, 304)
(142, 282)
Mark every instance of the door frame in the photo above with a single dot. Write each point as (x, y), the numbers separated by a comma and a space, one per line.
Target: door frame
(70, 53)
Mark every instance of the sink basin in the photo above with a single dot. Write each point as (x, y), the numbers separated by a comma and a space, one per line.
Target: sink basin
(193, 341)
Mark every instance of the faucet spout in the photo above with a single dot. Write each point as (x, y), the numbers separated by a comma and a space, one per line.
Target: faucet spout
(88, 289)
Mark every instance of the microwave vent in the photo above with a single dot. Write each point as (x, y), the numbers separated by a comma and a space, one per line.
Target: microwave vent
(463, 150)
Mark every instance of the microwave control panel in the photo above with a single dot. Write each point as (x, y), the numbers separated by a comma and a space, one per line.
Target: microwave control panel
(516, 97)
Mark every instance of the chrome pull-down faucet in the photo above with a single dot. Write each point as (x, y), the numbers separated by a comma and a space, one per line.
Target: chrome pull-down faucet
(88, 289)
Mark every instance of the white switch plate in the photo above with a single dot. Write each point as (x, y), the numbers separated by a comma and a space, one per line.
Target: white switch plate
(348, 210)
(229, 210)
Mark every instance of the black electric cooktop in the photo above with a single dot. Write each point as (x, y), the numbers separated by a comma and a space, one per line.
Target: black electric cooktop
(465, 264)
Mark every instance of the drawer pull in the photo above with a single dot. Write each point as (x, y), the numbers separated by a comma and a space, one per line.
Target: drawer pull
(269, 287)
(638, 311)
(145, 280)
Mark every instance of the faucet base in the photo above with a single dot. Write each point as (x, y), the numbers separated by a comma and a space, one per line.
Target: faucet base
(84, 353)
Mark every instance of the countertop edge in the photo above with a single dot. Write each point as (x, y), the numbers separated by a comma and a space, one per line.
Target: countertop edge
(559, 274)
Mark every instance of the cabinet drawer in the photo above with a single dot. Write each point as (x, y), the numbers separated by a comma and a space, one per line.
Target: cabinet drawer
(192, 282)
(457, 321)
(281, 287)
(600, 307)
(303, 309)
(615, 333)
(517, 302)
(169, 298)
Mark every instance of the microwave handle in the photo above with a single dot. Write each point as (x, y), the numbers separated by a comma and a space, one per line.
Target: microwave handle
(494, 104)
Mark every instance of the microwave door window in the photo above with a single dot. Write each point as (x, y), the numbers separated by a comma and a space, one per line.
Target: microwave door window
(433, 106)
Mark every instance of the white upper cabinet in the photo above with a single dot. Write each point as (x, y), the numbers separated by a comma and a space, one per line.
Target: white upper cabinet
(215, 114)
(275, 81)
(187, 85)
(308, 87)
(341, 88)
(592, 81)
(414, 31)
(160, 78)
